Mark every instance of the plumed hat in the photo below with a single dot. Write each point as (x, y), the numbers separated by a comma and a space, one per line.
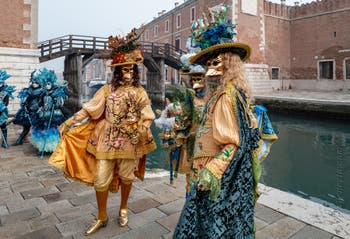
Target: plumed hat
(125, 50)
(215, 36)
(187, 68)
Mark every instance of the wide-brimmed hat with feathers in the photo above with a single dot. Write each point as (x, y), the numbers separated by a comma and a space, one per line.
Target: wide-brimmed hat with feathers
(214, 35)
(125, 50)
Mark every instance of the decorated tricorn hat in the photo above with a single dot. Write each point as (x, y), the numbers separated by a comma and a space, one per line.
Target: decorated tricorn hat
(125, 50)
(215, 36)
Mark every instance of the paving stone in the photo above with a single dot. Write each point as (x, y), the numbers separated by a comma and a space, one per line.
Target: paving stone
(49, 232)
(80, 200)
(142, 218)
(149, 231)
(267, 214)
(3, 211)
(259, 224)
(54, 197)
(25, 186)
(170, 222)
(167, 236)
(19, 205)
(138, 193)
(165, 197)
(56, 207)
(8, 197)
(43, 221)
(53, 181)
(11, 230)
(24, 215)
(309, 232)
(75, 212)
(76, 226)
(173, 207)
(281, 229)
(38, 192)
(143, 204)
(160, 188)
(73, 186)
(42, 172)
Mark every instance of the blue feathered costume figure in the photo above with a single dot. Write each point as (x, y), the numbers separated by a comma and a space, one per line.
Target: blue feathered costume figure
(5, 94)
(41, 109)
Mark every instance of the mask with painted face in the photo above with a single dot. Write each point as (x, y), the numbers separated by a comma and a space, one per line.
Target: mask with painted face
(214, 67)
(128, 74)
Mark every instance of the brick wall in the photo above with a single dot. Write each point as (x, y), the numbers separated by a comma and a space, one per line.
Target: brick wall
(18, 21)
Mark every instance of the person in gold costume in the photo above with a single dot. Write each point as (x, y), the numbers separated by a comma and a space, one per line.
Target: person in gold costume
(116, 137)
(228, 144)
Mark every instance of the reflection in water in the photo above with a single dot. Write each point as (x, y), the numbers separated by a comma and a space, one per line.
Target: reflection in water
(311, 159)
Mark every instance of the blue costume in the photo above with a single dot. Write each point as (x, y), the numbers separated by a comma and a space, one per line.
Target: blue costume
(41, 109)
(5, 93)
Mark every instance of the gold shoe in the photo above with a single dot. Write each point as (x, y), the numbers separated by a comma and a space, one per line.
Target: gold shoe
(95, 226)
(123, 217)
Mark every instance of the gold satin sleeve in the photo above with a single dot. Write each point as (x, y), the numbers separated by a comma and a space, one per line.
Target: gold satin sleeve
(96, 106)
(147, 113)
(225, 133)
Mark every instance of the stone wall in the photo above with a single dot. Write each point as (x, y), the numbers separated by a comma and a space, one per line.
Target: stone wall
(259, 78)
(19, 63)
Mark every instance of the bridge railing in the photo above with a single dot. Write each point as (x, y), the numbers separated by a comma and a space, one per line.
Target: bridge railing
(67, 44)
(70, 42)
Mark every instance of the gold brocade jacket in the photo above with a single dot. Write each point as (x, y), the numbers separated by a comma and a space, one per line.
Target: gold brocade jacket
(123, 130)
(217, 136)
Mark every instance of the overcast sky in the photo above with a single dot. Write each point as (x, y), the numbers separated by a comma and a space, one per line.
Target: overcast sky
(99, 17)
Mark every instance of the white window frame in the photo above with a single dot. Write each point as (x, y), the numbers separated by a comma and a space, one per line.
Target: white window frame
(344, 67)
(146, 35)
(192, 16)
(155, 30)
(178, 20)
(279, 72)
(178, 38)
(318, 69)
(166, 26)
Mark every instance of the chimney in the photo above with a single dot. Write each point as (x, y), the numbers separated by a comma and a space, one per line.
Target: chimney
(283, 2)
(159, 14)
(296, 3)
(163, 11)
(176, 4)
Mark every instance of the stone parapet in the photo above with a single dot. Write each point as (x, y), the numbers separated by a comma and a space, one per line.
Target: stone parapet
(19, 63)
(259, 78)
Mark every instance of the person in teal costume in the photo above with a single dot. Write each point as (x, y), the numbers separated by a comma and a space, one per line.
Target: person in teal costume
(5, 94)
(231, 141)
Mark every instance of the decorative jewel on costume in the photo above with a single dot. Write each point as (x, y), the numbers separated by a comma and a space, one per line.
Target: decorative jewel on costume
(215, 36)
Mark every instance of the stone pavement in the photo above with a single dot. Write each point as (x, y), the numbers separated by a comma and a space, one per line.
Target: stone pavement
(37, 201)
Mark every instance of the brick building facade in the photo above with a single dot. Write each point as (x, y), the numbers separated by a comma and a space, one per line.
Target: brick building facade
(303, 46)
(18, 38)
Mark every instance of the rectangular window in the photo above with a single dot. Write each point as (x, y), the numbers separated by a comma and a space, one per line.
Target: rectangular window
(155, 33)
(178, 20)
(275, 73)
(326, 69)
(347, 69)
(192, 14)
(177, 43)
(146, 35)
(166, 27)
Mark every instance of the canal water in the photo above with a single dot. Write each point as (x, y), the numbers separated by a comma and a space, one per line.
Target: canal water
(311, 159)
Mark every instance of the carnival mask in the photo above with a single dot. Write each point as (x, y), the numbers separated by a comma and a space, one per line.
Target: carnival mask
(214, 67)
(35, 85)
(128, 74)
(48, 86)
(197, 82)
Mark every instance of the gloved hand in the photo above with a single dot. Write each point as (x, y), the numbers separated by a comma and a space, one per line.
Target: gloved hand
(64, 127)
(207, 181)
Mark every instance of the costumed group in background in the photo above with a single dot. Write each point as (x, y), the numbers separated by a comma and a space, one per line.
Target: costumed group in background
(210, 128)
(40, 110)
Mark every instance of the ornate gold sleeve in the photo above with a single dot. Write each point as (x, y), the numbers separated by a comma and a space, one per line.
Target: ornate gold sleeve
(225, 133)
(96, 106)
(147, 114)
